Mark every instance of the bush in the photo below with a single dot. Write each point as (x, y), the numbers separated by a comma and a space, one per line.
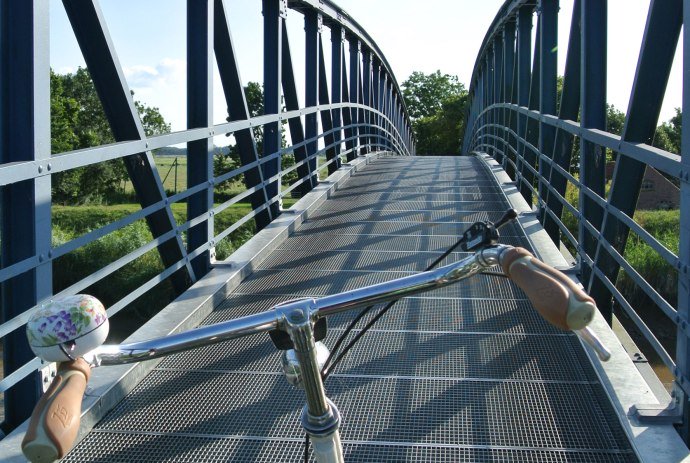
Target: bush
(72, 222)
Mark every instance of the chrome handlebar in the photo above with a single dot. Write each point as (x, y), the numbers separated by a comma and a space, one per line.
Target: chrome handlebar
(273, 319)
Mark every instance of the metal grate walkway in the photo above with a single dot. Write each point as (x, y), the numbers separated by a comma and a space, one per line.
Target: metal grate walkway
(468, 373)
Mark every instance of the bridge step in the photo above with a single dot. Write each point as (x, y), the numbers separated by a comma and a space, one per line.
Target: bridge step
(464, 373)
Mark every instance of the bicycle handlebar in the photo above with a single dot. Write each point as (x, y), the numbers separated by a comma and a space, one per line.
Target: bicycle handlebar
(55, 421)
(555, 296)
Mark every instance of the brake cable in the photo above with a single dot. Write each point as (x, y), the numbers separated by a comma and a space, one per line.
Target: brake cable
(480, 234)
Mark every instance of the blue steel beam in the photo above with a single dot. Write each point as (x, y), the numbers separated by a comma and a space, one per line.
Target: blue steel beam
(375, 86)
(367, 72)
(238, 110)
(200, 114)
(568, 110)
(682, 341)
(313, 23)
(274, 12)
(592, 115)
(326, 115)
(304, 170)
(524, 60)
(498, 92)
(337, 38)
(548, 73)
(346, 113)
(355, 78)
(653, 68)
(108, 77)
(531, 135)
(26, 215)
(508, 88)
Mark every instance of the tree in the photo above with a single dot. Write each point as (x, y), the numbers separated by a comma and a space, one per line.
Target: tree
(668, 134)
(78, 121)
(424, 94)
(436, 103)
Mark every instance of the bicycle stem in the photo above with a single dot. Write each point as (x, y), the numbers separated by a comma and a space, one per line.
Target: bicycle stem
(276, 317)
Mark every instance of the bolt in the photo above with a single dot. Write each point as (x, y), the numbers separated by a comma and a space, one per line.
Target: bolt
(296, 316)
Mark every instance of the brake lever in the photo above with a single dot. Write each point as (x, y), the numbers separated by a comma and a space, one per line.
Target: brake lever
(484, 234)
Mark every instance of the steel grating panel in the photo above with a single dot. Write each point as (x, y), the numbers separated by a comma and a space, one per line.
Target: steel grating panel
(406, 243)
(388, 228)
(411, 206)
(321, 283)
(468, 373)
(406, 216)
(332, 242)
(390, 194)
(110, 447)
(414, 354)
(477, 412)
(416, 313)
(314, 259)
(467, 355)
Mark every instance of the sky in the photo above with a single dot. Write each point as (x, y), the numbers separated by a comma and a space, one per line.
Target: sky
(445, 35)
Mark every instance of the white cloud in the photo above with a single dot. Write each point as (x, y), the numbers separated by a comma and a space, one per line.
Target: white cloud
(161, 86)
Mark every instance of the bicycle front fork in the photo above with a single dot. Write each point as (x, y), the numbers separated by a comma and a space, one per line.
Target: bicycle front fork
(320, 417)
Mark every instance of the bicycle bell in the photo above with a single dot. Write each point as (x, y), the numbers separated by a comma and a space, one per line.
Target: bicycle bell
(67, 328)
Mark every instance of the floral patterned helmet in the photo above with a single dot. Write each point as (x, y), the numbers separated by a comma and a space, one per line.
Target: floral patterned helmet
(67, 328)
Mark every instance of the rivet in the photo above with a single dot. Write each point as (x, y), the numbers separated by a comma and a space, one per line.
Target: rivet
(50, 166)
(147, 144)
(41, 257)
(40, 169)
(50, 254)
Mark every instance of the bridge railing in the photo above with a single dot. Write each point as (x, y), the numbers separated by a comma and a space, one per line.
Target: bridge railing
(363, 116)
(552, 147)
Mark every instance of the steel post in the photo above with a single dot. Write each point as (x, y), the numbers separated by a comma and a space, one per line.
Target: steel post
(200, 114)
(274, 12)
(313, 23)
(653, 68)
(568, 110)
(26, 206)
(592, 115)
(548, 72)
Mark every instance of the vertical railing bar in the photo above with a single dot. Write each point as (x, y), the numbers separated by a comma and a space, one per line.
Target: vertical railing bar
(200, 114)
(287, 77)
(274, 11)
(568, 110)
(26, 205)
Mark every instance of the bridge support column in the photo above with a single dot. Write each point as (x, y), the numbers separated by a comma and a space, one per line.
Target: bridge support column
(274, 12)
(26, 206)
(592, 115)
(200, 115)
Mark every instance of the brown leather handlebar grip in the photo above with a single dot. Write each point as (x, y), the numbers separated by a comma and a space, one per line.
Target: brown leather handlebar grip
(555, 296)
(55, 420)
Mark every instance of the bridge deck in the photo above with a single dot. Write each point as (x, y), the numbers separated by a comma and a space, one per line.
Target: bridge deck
(465, 373)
